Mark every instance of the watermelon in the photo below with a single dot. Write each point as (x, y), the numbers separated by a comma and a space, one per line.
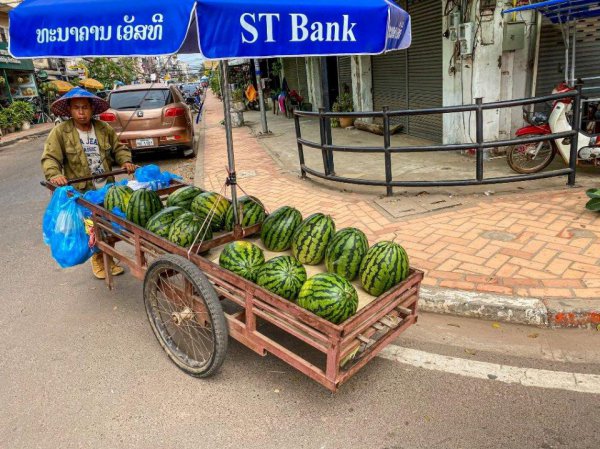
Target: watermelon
(186, 228)
(311, 238)
(345, 252)
(213, 204)
(117, 196)
(184, 196)
(160, 223)
(278, 228)
(243, 258)
(142, 205)
(329, 296)
(251, 211)
(384, 266)
(282, 275)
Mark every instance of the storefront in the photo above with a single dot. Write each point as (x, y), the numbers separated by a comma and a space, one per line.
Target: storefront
(551, 60)
(17, 80)
(412, 78)
(294, 71)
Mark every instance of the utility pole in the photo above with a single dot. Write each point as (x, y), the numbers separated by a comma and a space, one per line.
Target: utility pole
(261, 99)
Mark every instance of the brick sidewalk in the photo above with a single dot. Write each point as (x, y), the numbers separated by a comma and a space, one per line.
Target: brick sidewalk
(538, 245)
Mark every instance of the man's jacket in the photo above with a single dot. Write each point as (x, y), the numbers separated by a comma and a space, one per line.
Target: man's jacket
(64, 155)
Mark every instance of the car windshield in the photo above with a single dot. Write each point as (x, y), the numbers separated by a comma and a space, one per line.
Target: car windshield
(142, 99)
(188, 89)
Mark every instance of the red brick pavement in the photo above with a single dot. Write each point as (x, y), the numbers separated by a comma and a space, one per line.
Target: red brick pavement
(543, 245)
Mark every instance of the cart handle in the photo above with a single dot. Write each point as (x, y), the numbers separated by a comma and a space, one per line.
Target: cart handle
(120, 171)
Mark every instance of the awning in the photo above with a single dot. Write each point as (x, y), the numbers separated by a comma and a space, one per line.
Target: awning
(9, 63)
(560, 11)
(218, 29)
(239, 61)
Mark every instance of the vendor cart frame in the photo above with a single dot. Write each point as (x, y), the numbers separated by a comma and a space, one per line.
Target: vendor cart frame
(195, 304)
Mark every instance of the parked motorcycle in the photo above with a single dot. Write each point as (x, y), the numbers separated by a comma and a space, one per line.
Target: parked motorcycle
(193, 101)
(534, 157)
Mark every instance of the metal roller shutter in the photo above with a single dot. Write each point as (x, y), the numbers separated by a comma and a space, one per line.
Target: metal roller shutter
(390, 80)
(344, 73)
(425, 69)
(413, 78)
(294, 70)
(551, 62)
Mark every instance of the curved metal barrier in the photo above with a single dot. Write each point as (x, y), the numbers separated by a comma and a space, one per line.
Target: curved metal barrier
(328, 149)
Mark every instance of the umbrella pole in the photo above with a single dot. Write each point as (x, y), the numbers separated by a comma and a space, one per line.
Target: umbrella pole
(231, 179)
(261, 98)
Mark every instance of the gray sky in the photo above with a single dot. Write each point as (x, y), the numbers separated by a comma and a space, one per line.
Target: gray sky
(194, 60)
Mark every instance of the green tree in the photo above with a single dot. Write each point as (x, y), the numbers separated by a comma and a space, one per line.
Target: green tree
(108, 70)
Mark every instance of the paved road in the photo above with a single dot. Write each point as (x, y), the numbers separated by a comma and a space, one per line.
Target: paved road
(80, 367)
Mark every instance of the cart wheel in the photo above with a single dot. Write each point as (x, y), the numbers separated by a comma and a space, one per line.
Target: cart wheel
(186, 315)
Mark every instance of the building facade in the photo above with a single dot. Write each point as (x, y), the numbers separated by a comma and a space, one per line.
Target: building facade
(461, 50)
(17, 76)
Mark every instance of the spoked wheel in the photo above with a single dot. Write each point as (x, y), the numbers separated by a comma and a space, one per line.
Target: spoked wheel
(530, 157)
(185, 315)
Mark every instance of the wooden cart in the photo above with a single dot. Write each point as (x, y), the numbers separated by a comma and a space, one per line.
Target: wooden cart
(193, 305)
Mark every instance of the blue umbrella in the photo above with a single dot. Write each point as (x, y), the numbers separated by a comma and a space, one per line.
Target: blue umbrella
(218, 29)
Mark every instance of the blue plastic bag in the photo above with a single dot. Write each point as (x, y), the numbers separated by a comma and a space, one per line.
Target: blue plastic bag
(59, 198)
(69, 242)
(151, 173)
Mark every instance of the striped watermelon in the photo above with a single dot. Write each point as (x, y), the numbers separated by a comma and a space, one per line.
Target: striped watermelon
(282, 275)
(329, 296)
(142, 205)
(384, 266)
(211, 203)
(243, 258)
(311, 238)
(160, 223)
(117, 196)
(251, 210)
(345, 252)
(184, 196)
(278, 228)
(186, 228)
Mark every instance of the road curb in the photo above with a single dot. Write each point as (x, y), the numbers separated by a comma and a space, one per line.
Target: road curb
(566, 313)
(509, 309)
(4, 143)
(562, 313)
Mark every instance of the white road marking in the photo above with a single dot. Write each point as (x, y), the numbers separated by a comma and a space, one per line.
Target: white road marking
(529, 377)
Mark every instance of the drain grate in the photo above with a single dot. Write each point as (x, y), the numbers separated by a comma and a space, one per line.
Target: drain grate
(399, 207)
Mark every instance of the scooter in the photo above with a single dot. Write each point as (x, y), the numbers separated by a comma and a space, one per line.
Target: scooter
(534, 157)
(193, 101)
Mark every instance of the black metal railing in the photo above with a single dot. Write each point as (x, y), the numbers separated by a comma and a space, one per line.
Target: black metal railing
(325, 145)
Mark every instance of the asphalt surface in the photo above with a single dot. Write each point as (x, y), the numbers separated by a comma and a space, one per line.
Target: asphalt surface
(80, 367)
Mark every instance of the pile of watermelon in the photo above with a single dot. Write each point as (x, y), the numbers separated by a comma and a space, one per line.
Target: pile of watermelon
(312, 241)
(191, 214)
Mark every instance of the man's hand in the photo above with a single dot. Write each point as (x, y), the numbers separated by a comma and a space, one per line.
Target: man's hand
(129, 167)
(59, 180)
